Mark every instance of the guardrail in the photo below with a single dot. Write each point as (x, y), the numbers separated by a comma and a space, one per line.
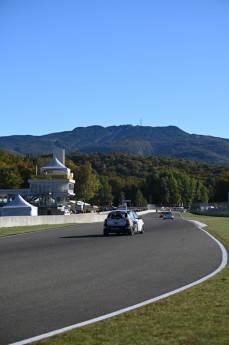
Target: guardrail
(213, 209)
(8, 222)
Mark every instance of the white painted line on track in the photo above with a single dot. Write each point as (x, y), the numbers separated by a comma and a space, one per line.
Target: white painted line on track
(142, 304)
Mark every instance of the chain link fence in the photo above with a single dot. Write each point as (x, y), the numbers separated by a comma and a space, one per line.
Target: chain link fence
(214, 209)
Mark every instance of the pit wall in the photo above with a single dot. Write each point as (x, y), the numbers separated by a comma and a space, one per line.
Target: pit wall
(9, 222)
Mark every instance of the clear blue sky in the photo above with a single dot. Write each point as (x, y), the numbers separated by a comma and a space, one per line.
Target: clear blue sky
(76, 63)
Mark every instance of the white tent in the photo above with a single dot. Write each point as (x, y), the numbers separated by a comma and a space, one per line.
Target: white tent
(18, 207)
(82, 203)
(55, 165)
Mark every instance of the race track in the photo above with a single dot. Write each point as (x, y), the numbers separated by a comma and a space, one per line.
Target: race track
(57, 278)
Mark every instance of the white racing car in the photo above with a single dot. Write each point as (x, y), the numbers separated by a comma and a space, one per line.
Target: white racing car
(123, 222)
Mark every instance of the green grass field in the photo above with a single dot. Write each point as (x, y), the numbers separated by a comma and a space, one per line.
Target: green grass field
(197, 316)
(26, 229)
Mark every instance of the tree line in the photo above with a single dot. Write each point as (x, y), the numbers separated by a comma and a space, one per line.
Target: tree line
(108, 178)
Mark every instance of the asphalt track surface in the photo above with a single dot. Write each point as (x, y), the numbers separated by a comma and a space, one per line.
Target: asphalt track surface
(57, 278)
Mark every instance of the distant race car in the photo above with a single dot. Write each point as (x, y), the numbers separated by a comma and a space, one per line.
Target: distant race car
(168, 215)
(161, 215)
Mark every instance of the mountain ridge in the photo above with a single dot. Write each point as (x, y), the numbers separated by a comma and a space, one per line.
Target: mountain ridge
(134, 140)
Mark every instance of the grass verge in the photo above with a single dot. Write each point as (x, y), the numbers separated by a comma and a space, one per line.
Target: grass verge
(197, 316)
(26, 229)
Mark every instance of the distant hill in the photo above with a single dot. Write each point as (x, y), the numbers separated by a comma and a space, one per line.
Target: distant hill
(133, 140)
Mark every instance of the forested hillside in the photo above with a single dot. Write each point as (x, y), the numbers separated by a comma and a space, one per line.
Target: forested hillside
(133, 140)
(109, 178)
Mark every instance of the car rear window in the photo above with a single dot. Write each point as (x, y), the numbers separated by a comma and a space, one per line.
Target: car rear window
(117, 215)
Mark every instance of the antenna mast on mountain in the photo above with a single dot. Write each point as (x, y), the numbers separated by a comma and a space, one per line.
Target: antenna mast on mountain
(140, 122)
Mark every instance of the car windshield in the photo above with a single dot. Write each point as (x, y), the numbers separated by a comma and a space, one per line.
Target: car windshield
(117, 215)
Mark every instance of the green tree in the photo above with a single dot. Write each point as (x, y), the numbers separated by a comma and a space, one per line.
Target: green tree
(175, 197)
(117, 185)
(139, 199)
(164, 191)
(9, 177)
(104, 195)
(153, 187)
(201, 194)
(87, 182)
(221, 187)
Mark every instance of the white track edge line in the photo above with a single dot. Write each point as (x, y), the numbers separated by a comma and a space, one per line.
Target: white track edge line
(121, 311)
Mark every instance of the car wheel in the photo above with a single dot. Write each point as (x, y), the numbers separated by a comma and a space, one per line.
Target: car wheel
(131, 232)
(142, 231)
(105, 233)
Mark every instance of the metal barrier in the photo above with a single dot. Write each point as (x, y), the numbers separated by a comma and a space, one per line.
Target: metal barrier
(213, 209)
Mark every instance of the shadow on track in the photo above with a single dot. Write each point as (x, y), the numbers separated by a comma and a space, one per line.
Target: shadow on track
(94, 236)
(84, 236)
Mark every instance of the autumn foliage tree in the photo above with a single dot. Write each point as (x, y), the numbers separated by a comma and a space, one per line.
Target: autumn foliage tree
(109, 178)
